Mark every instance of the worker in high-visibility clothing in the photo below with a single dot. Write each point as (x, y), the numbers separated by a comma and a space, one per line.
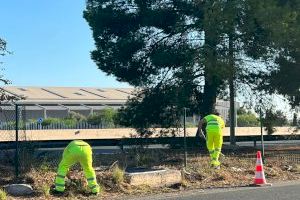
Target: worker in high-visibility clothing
(76, 151)
(214, 136)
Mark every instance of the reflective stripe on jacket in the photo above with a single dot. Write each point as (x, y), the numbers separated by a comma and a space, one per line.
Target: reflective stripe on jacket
(214, 123)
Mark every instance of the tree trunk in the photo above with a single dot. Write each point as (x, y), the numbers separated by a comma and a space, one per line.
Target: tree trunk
(209, 98)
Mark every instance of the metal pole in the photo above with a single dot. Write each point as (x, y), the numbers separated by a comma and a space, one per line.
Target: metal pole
(184, 133)
(262, 135)
(232, 90)
(17, 142)
(232, 113)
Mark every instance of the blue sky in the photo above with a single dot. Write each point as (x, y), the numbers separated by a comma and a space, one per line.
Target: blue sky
(51, 44)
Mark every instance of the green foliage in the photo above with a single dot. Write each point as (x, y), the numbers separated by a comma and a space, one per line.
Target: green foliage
(285, 28)
(189, 58)
(76, 116)
(106, 116)
(246, 118)
(295, 121)
(272, 119)
(3, 195)
(241, 111)
(48, 121)
(94, 119)
(71, 120)
(12, 124)
(152, 112)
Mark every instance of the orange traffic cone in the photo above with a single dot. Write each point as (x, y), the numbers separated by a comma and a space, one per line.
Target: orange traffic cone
(260, 179)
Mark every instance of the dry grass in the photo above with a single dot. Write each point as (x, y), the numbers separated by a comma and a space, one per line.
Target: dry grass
(235, 171)
(118, 175)
(3, 195)
(46, 190)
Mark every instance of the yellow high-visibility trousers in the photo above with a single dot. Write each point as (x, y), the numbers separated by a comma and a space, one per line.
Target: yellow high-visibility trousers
(214, 142)
(77, 151)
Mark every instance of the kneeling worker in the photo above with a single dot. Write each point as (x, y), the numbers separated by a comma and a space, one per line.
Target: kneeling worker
(76, 151)
(214, 137)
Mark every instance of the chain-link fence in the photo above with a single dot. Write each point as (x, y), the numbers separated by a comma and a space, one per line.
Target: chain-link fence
(8, 156)
(21, 128)
(16, 151)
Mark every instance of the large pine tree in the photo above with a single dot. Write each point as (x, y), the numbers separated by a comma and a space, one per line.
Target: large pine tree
(185, 53)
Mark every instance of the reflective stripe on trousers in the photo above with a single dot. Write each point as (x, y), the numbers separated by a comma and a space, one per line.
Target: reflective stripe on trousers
(76, 152)
(60, 183)
(214, 141)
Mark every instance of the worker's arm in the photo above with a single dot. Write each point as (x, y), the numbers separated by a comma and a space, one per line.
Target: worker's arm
(200, 125)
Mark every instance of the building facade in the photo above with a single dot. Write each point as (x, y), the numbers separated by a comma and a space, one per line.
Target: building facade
(57, 102)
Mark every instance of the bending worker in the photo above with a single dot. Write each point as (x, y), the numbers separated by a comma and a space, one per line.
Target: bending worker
(214, 137)
(77, 151)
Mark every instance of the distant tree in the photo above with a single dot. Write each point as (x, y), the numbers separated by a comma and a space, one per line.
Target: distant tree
(241, 111)
(295, 120)
(104, 117)
(273, 119)
(246, 118)
(48, 121)
(76, 116)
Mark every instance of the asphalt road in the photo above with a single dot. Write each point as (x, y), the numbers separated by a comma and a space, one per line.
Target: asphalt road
(282, 191)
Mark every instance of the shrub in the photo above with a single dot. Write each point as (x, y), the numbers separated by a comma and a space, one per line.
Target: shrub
(118, 175)
(69, 122)
(76, 116)
(94, 119)
(247, 120)
(106, 116)
(274, 118)
(50, 120)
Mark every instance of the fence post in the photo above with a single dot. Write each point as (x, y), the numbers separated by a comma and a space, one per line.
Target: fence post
(17, 142)
(262, 135)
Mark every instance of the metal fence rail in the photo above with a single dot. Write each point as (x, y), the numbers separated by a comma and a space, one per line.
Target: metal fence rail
(17, 120)
(174, 141)
(38, 126)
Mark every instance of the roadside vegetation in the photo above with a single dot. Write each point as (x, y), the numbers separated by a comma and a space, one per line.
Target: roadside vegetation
(105, 118)
(237, 170)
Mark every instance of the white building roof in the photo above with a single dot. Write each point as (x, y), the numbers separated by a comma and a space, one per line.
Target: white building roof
(69, 95)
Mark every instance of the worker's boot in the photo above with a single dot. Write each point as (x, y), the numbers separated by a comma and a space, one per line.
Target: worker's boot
(217, 164)
(217, 167)
(54, 192)
(212, 163)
